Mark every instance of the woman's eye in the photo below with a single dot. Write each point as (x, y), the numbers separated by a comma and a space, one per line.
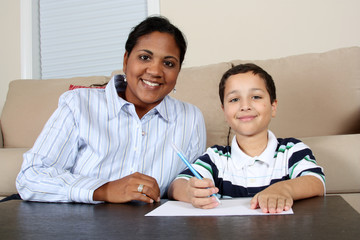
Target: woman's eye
(169, 64)
(144, 57)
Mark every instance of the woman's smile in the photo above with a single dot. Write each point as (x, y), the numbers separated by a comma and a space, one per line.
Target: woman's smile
(149, 83)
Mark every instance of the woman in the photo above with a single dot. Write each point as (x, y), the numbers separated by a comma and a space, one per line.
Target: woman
(114, 144)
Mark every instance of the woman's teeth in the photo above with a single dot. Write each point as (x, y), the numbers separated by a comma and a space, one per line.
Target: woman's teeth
(150, 83)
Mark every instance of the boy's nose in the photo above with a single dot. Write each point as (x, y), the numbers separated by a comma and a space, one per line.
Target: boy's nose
(245, 106)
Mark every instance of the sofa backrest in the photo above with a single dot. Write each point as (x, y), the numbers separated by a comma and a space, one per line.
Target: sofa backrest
(30, 103)
(318, 94)
(199, 86)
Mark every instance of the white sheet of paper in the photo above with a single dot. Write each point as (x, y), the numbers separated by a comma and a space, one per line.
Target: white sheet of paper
(228, 207)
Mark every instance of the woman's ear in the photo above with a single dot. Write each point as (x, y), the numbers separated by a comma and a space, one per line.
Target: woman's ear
(126, 57)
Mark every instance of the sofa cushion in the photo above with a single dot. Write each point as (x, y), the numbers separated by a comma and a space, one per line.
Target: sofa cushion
(10, 162)
(30, 103)
(318, 93)
(340, 157)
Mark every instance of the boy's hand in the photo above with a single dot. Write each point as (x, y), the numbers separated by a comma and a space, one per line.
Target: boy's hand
(274, 199)
(199, 191)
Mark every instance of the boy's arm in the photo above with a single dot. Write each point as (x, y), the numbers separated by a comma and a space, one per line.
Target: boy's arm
(280, 196)
(178, 190)
(194, 191)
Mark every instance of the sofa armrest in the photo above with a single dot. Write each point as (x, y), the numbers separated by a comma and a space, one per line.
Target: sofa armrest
(339, 155)
(353, 199)
(10, 161)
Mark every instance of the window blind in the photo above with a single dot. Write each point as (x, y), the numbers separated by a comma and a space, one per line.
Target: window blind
(85, 37)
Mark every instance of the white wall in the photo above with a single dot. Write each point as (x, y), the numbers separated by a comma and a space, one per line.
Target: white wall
(10, 45)
(223, 30)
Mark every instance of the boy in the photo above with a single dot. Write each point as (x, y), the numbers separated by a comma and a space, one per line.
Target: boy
(275, 172)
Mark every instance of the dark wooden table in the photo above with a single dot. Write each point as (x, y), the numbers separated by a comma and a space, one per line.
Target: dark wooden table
(316, 218)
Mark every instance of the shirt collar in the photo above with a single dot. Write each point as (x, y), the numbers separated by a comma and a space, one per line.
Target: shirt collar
(116, 103)
(267, 156)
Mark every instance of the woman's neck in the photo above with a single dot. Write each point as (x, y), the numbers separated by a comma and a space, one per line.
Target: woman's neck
(141, 109)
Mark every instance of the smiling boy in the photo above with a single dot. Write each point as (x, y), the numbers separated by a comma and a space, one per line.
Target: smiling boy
(273, 171)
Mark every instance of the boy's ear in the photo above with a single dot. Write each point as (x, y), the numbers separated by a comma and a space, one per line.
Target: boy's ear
(274, 108)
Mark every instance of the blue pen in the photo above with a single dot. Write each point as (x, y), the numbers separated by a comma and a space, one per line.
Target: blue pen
(192, 169)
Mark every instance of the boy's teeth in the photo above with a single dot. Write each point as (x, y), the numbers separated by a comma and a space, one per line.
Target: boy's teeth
(150, 83)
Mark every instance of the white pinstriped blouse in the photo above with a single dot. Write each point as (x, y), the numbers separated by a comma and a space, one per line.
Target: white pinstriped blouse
(95, 136)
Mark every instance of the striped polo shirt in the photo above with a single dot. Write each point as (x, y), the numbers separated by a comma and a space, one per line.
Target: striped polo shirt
(239, 175)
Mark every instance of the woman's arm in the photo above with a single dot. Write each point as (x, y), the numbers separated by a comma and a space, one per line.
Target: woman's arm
(46, 170)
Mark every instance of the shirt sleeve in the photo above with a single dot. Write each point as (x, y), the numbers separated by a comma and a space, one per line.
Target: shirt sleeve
(46, 173)
(302, 162)
(203, 165)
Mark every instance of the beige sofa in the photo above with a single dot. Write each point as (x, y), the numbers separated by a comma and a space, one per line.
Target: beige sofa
(319, 102)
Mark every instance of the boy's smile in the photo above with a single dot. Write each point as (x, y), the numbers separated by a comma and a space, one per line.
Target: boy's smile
(246, 118)
(247, 106)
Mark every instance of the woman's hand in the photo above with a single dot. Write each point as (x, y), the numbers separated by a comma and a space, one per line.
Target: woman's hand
(126, 189)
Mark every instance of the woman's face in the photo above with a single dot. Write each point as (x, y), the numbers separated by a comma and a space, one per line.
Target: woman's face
(151, 70)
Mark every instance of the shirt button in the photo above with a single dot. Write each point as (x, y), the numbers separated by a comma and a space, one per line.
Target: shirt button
(143, 133)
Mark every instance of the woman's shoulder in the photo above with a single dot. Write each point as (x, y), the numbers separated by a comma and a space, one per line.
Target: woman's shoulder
(181, 106)
(81, 95)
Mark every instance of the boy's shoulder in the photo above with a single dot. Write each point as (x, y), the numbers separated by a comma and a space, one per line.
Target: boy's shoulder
(287, 143)
(220, 150)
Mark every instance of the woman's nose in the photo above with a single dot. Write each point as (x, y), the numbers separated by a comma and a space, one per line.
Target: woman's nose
(154, 68)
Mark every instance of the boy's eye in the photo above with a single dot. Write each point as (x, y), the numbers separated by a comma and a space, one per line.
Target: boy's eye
(256, 97)
(234, 100)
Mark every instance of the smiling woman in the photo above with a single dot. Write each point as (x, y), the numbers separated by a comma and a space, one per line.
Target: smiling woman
(114, 144)
(151, 70)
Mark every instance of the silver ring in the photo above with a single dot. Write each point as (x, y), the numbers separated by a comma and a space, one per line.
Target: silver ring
(140, 188)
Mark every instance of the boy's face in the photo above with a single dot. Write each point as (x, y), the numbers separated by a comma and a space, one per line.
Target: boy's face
(247, 105)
